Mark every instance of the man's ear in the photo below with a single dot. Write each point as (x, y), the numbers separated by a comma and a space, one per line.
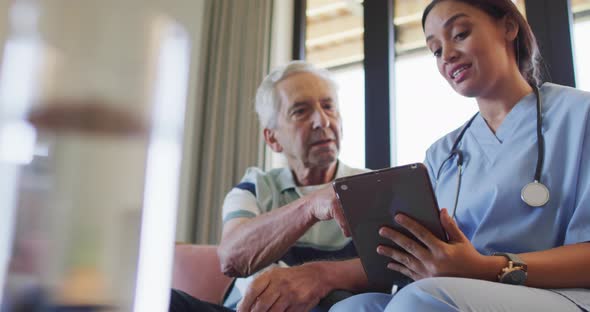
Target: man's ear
(271, 140)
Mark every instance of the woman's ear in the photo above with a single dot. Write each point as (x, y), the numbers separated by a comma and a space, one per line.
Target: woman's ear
(271, 140)
(511, 28)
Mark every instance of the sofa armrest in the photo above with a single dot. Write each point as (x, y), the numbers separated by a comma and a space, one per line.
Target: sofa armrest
(197, 272)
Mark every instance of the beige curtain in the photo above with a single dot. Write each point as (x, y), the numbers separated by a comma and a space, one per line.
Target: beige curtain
(235, 58)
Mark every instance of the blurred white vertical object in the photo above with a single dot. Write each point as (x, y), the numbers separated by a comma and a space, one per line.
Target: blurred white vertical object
(100, 88)
(20, 58)
(163, 169)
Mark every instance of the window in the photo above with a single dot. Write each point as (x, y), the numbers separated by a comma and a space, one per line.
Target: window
(334, 40)
(334, 32)
(352, 98)
(581, 33)
(425, 107)
(420, 96)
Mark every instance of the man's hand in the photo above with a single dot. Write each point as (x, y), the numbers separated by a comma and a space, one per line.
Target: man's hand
(325, 206)
(297, 288)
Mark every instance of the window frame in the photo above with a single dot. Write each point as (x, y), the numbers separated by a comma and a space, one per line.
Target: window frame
(556, 44)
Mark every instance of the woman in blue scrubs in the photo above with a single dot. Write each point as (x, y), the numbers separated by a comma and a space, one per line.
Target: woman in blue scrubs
(511, 247)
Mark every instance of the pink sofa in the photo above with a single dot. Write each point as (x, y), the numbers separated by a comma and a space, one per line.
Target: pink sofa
(197, 272)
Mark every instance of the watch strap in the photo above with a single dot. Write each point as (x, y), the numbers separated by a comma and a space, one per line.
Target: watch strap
(516, 271)
(516, 260)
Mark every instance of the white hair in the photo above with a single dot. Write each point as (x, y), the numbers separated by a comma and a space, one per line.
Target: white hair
(267, 97)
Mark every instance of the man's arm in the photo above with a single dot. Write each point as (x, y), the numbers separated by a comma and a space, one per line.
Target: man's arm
(345, 275)
(250, 244)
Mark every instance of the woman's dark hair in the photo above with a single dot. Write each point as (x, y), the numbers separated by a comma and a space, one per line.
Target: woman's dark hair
(526, 49)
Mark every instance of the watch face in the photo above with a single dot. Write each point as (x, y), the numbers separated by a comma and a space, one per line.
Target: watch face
(516, 277)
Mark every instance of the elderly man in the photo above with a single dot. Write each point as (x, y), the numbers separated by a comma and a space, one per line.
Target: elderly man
(282, 227)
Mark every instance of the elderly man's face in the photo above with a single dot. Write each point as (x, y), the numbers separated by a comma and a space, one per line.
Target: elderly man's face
(308, 128)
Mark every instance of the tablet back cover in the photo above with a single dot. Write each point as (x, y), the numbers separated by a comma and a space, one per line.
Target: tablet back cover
(371, 200)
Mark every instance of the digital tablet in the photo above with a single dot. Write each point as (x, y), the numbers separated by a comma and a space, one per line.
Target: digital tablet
(371, 200)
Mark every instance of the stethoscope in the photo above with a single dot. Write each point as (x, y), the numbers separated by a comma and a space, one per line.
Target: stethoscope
(534, 194)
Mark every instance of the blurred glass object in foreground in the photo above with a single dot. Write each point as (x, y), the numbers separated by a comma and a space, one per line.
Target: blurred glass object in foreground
(92, 98)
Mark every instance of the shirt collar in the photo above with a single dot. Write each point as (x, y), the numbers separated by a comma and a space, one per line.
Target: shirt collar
(286, 180)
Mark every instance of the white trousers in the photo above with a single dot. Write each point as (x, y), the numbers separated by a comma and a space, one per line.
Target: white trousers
(459, 294)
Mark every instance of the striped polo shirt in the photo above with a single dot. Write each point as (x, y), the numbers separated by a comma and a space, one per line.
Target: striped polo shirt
(260, 192)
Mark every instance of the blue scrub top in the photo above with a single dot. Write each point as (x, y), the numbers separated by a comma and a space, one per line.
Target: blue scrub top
(497, 166)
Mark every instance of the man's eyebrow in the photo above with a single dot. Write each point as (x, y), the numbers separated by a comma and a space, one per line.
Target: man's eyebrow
(297, 104)
(449, 22)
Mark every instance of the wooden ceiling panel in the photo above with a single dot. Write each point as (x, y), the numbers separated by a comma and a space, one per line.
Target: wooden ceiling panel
(580, 5)
(335, 28)
(339, 54)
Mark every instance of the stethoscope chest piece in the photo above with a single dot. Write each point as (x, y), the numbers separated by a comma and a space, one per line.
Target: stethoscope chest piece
(535, 194)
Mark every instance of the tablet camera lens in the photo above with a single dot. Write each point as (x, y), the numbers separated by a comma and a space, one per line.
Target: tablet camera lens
(344, 187)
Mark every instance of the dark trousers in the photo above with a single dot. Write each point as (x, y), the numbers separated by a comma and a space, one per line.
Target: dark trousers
(183, 302)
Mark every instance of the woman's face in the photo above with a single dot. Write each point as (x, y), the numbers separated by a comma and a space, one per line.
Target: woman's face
(471, 48)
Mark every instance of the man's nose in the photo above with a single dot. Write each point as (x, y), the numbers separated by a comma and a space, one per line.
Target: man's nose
(320, 119)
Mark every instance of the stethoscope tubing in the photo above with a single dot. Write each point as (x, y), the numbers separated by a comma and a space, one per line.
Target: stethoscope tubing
(456, 151)
(540, 138)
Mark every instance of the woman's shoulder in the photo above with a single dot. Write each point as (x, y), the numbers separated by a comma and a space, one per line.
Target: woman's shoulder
(441, 148)
(564, 96)
(553, 87)
(564, 105)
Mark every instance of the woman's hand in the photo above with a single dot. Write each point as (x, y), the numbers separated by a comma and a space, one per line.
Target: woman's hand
(458, 257)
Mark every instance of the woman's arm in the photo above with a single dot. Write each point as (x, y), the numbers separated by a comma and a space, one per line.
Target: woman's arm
(561, 267)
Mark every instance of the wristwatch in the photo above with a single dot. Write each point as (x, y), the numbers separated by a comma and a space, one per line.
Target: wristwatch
(516, 271)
